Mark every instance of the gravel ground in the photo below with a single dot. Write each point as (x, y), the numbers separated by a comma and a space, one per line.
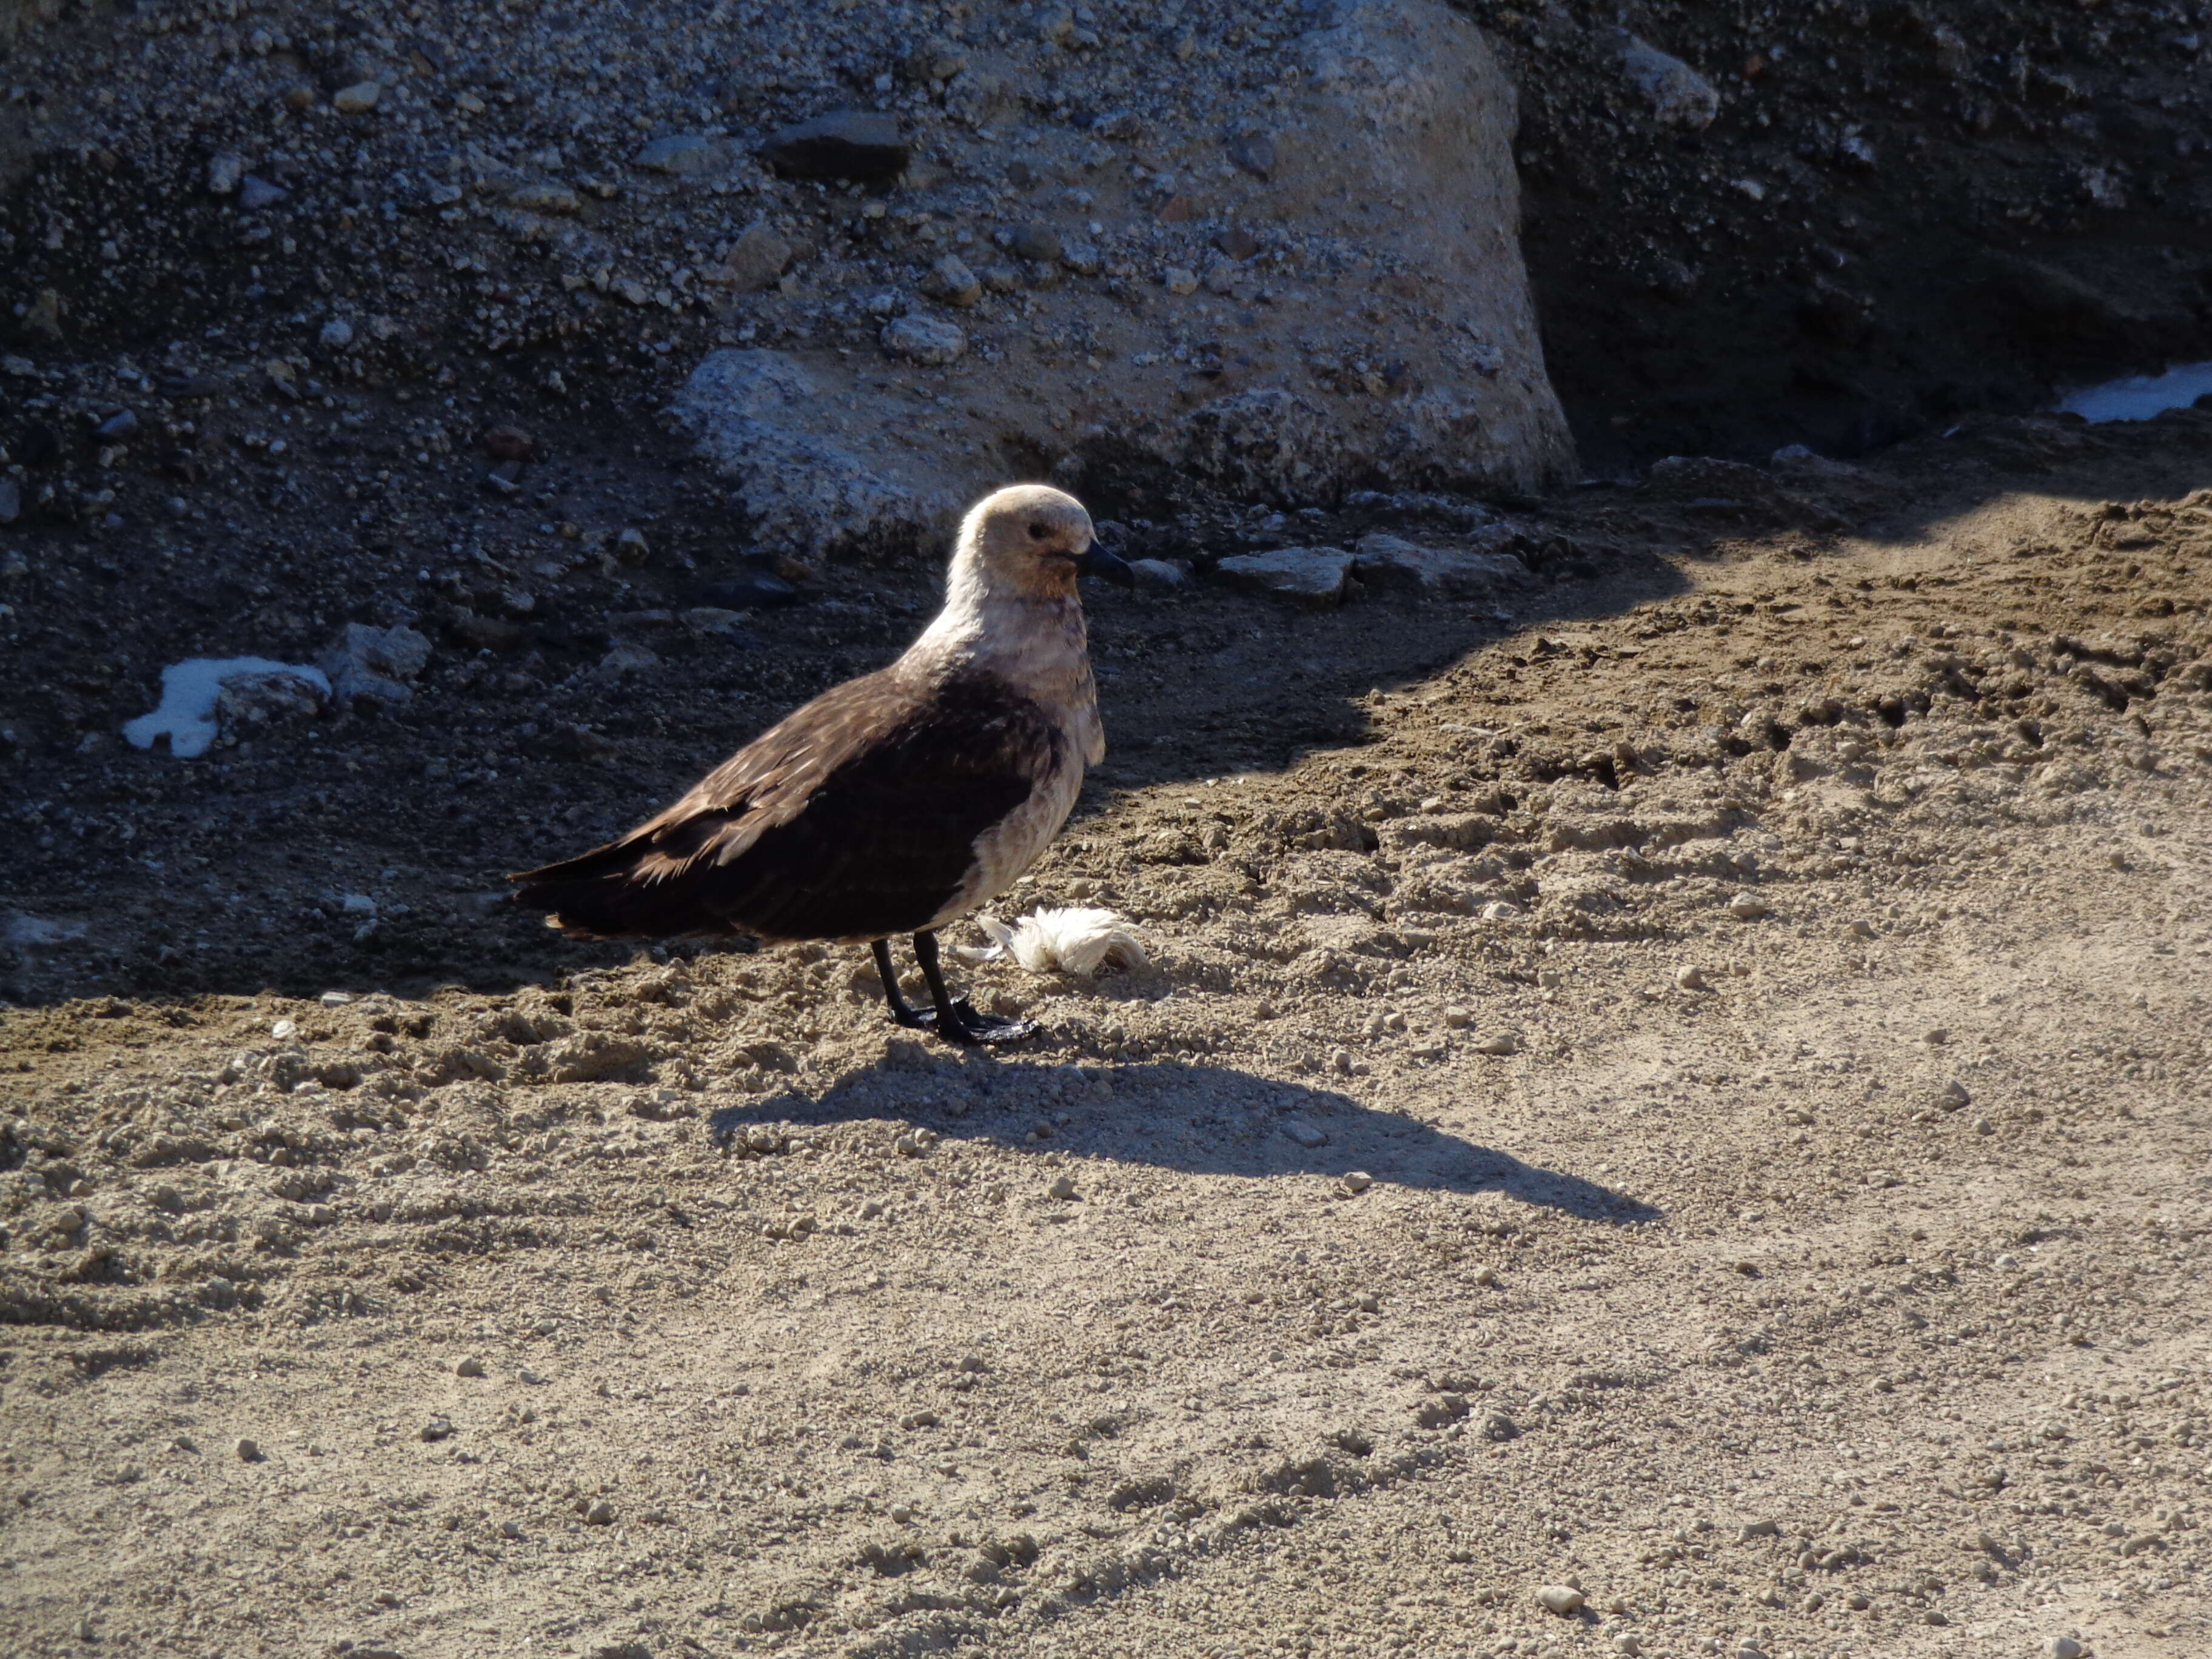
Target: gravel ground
(1666, 1110)
(1690, 1103)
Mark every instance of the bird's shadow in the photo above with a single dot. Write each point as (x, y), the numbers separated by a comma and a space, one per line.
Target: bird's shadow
(1200, 1119)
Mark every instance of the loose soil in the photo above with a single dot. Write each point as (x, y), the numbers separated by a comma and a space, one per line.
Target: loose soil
(1691, 1092)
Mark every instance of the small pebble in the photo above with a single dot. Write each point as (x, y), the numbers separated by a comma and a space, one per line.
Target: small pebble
(925, 340)
(1690, 977)
(2065, 1647)
(1486, 1277)
(357, 99)
(438, 1428)
(470, 1367)
(1954, 1097)
(1306, 1134)
(254, 194)
(1747, 907)
(1062, 1187)
(284, 1029)
(1628, 1642)
(510, 1530)
(249, 1451)
(952, 281)
(1358, 1180)
(599, 1513)
(1561, 1599)
(1458, 1018)
(1499, 1043)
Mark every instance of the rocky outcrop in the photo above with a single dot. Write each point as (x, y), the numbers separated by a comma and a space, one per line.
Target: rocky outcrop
(1278, 299)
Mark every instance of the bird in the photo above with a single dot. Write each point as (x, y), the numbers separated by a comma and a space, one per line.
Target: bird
(895, 803)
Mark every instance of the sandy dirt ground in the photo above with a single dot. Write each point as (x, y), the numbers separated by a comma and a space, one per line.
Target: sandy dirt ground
(1671, 1123)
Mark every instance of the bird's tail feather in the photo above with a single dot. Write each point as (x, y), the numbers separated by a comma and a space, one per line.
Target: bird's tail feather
(603, 894)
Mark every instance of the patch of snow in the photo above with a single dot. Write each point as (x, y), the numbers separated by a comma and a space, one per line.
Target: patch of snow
(1072, 941)
(2140, 397)
(189, 690)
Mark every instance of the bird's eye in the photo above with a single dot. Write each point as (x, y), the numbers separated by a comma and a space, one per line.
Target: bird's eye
(1039, 532)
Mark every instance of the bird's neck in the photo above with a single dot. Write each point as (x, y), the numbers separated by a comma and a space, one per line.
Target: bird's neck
(1033, 643)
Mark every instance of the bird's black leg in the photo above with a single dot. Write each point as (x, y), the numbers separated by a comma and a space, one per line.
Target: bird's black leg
(902, 1011)
(958, 1021)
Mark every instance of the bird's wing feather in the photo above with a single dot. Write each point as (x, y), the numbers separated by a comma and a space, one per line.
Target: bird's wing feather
(857, 815)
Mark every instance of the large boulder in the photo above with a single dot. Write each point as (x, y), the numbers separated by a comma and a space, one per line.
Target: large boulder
(815, 470)
(1281, 294)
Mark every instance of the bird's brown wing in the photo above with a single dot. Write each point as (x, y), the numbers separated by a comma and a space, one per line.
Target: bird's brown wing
(855, 818)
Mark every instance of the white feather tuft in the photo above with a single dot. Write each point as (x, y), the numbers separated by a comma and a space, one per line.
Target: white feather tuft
(1074, 941)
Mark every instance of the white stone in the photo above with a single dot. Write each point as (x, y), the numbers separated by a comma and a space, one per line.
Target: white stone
(682, 156)
(1561, 1599)
(357, 99)
(373, 664)
(1678, 94)
(1456, 573)
(1314, 576)
(925, 340)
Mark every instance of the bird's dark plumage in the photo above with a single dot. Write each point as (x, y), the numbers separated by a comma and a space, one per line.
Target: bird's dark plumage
(894, 803)
(855, 818)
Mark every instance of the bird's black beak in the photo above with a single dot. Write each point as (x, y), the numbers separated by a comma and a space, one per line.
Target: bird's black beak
(1099, 562)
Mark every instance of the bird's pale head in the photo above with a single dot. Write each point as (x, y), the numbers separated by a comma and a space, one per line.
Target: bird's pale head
(1031, 539)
